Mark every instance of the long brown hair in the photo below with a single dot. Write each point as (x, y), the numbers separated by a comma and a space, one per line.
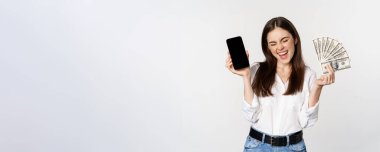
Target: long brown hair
(265, 75)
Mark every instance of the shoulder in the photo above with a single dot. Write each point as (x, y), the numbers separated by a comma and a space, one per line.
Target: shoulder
(310, 76)
(255, 66)
(309, 72)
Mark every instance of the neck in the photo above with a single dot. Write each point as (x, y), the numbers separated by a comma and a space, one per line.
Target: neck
(283, 67)
(284, 71)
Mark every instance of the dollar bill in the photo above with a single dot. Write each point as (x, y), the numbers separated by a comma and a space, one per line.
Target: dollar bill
(323, 46)
(316, 46)
(328, 41)
(330, 51)
(340, 55)
(319, 47)
(337, 65)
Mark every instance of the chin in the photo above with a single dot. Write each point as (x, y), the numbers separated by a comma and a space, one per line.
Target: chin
(283, 61)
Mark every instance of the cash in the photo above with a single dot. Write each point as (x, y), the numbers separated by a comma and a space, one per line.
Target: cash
(330, 51)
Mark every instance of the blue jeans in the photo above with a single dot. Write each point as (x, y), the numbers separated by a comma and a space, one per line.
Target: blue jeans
(254, 145)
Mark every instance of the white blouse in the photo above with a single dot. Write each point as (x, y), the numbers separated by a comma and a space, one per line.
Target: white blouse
(282, 114)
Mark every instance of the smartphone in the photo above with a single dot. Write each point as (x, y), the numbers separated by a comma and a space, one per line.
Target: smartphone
(237, 51)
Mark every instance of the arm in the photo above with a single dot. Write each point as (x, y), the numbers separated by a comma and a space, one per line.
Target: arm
(314, 95)
(248, 92)
(309, 111)
(245, 73)
(318, 85)
(251, 107)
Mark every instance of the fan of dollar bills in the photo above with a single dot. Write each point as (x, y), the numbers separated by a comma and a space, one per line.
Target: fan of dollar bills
(330, 51)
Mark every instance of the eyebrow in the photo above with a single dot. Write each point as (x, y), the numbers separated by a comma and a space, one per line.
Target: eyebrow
(280, 40)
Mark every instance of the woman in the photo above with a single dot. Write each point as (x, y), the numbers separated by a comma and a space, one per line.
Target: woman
(281, 94)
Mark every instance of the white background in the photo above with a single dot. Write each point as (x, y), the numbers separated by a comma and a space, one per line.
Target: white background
(97, 76)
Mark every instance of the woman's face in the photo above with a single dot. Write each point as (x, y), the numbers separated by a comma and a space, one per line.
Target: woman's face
(281, 44)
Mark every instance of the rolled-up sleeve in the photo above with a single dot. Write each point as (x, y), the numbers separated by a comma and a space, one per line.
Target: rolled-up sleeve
(309, 115)
(252, 111)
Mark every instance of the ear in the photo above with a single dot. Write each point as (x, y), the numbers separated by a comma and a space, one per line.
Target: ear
(295, 41)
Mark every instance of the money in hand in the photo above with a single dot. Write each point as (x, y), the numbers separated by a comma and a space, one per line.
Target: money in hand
(330, 51)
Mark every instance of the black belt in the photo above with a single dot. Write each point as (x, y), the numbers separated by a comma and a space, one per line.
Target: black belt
(277, 140)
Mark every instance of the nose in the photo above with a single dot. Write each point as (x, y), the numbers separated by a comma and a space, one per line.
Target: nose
(280, 47)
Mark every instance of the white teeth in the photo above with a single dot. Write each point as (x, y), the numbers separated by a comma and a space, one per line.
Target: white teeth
(282, 53)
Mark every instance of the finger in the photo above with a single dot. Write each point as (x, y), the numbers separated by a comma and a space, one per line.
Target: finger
(332, 69)
(332, 74)
(328, 80)
(328, 67)
(231, 67)
(325, 79)
(329, 74)
(331, 78)
(228, 59)
(228, 63)
(322, 80)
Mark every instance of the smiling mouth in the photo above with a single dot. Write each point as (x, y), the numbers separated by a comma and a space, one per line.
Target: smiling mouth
(283, 54)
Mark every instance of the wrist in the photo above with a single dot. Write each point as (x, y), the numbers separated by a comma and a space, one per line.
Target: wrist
(247, 76)
(318, 86)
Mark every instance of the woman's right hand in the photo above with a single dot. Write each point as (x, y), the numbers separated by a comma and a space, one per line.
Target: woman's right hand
(245, 72)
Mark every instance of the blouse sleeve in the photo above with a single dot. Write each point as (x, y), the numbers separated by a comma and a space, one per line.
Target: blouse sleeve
(252, 111)
(309, 115)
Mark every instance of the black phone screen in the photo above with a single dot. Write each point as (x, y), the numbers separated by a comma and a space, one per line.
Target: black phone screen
(237, 52)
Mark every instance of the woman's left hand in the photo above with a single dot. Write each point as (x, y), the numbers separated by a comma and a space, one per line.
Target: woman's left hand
(328, 78)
